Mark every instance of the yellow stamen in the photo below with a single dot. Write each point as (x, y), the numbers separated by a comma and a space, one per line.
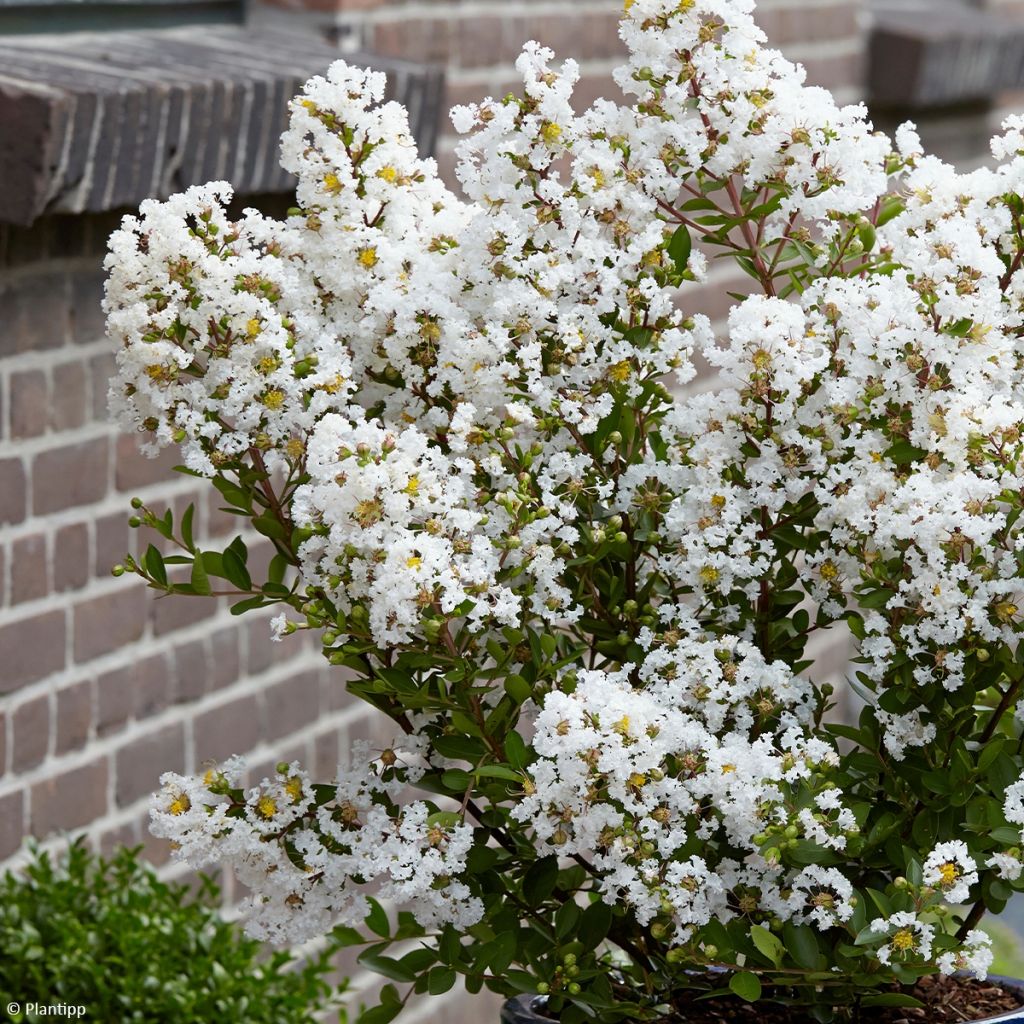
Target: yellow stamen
(180, 804)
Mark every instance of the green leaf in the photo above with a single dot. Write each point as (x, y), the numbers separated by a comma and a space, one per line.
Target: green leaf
(270, 527)
(154, 563)
(186, 527)
(235, 570)
(868, 936)
(801, 944)
(386, 966)
(200, 580)
(377, 919)
(594, 924)
(344, 936)
(746, 985)
(440, 980)
(679, 248)
(499, 771)
(276, 570)
(539, 883)
(567, 919)
(446, 819)
(891, 999)
(379, 1014)
(767, 944)
(516, 751)
(518, 688)
(457, 780)
(498, 954)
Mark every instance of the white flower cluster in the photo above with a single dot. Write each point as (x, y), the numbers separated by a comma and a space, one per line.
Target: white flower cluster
(300, 852)
(651, 782)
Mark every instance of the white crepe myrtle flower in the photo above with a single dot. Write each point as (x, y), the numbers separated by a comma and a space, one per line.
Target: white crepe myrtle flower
(1007, 866)
(951, 868)
(908, 938)
(822, 895)
(975, 957)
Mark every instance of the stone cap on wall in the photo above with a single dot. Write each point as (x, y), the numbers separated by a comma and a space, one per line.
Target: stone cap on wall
(936, 53)
(97, 121)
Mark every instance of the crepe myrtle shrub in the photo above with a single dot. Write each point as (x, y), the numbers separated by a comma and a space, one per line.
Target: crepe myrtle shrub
(77, 929)
(582, 600)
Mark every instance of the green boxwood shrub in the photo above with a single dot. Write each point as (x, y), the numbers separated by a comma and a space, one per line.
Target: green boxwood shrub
(109, 935)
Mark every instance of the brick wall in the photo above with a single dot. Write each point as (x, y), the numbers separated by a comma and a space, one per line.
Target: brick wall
(477, 41)
(102, 687)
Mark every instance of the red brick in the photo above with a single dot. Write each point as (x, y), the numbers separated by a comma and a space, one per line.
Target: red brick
(28, 568)
(141, 688)
(153, 687)
(101, 369)
(140, 764)
(177, 612)
(834, 72)
(114, 540)
(29, 402)
(71, 557)
(134, 471)
(31, 649)
(232, 728)
(424, 39)
(87, 320)
(124, 835)
(325, 756)
(12, 828)
(30, 734)
(71, 800)
(74, 717)
(66, 477)
(333, 694)
(13, 491)
(259, 646)
(34, 312)
(219, 523)
(225, 665)
(107, 623)
(191, 671)
(291, 705)
(68, 397)
(803, 24)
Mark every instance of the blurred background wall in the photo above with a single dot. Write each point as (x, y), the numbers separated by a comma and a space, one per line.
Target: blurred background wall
(102, 687)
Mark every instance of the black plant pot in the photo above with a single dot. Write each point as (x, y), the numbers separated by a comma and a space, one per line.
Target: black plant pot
(530, 1009)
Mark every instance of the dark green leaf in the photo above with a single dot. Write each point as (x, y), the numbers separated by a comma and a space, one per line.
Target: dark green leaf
(200, 580)
(679, 248)
(746, 985)
(377, 919)
(154, 563)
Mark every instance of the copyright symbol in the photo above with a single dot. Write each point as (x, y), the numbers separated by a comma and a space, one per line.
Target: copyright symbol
(13, 1009)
